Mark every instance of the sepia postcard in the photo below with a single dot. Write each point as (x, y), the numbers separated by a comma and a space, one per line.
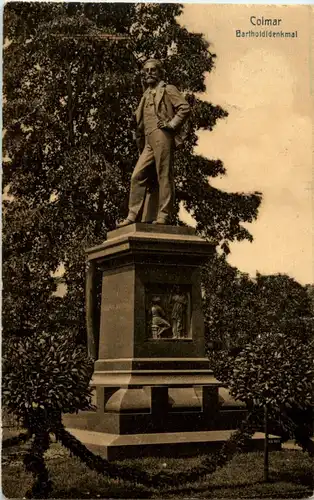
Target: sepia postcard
(157, 250)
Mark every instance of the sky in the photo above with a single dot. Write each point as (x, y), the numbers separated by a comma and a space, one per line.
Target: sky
(266, 141)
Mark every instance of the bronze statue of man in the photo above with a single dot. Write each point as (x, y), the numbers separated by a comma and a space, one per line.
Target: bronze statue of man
(160, 116)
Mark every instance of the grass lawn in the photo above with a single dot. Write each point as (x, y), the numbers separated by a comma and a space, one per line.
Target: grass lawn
(291, 474)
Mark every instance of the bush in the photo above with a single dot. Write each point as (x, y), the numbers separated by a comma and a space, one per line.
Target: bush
(45, 372)
(43, 376)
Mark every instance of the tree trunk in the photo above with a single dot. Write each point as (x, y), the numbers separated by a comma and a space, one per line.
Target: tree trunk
(266, 447)
(34, 462)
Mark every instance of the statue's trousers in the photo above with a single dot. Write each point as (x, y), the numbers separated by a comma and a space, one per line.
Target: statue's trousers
(154, 164)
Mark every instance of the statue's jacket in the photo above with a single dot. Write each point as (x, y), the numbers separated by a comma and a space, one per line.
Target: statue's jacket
(170, 105)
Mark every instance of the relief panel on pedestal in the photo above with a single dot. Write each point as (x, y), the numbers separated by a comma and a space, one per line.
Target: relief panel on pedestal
(168, 311)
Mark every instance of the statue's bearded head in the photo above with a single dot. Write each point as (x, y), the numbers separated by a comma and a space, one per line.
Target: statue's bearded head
(152, 71)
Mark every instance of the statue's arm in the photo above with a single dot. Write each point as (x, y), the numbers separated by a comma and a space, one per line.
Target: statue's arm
(180, 105)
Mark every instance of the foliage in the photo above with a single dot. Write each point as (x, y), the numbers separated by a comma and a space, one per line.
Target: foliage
(273, 370)
(72, 79)
(310, 292)
(229, 297)
(43, 376)
(71, 88)
(238, 308)
(51, 376)
(282, 305)
(274, 366)
(49, 372)
(47, 376)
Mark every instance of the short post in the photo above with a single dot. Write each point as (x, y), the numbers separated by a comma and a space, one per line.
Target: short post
(266, 450)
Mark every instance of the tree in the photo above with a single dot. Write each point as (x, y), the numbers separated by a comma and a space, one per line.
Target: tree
(281, 303)
(238, 308)
(72, 82)
(228, 299)
(274, 372)
(310, 291)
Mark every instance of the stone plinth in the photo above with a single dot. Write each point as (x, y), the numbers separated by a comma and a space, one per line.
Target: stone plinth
(151, 375)
(172, 444)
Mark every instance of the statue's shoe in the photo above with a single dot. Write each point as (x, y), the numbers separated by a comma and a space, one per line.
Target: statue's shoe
(125, 222)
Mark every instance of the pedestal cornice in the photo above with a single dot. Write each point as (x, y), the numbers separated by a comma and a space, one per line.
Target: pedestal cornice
(152, 240)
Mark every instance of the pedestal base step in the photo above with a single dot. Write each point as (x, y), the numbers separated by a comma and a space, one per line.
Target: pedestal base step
(172, 444)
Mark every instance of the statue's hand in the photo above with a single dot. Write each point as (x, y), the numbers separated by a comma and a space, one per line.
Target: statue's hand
(164, 125)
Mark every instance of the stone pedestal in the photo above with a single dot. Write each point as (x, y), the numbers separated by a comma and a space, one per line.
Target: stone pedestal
(151, 375)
